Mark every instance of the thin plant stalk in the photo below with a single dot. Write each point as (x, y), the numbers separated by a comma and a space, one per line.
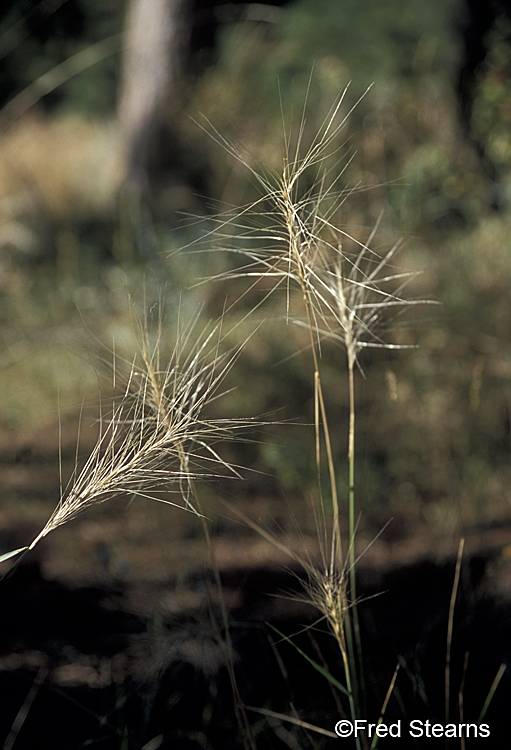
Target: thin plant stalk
(319, 401)
(450, 627)
(337, 623)
(501, 671)
(294, 720)
(351, 520)
(351, 650)
(390, 690)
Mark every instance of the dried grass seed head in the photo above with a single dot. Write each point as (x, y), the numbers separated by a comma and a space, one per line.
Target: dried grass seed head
(157, 437)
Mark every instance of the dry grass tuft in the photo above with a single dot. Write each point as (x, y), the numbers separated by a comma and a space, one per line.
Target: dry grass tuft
(158, 437)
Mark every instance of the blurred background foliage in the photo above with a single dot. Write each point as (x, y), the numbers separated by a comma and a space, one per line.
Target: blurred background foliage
(434, 435)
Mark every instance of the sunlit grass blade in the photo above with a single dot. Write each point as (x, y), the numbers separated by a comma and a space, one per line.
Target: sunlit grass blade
(500, 674)
(13, 553)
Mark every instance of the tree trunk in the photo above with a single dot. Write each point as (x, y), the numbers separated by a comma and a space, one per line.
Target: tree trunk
(156, 41)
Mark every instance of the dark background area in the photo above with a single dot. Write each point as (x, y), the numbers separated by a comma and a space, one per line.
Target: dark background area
(101, 189)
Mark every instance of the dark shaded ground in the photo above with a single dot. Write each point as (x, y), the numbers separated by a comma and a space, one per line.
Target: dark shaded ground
(111, 633)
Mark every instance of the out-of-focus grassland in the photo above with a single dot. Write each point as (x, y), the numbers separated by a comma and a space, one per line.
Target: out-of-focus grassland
(434, 423)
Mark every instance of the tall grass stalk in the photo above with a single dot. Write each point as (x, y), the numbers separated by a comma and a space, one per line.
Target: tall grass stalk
(360, 302)
(347, 298)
